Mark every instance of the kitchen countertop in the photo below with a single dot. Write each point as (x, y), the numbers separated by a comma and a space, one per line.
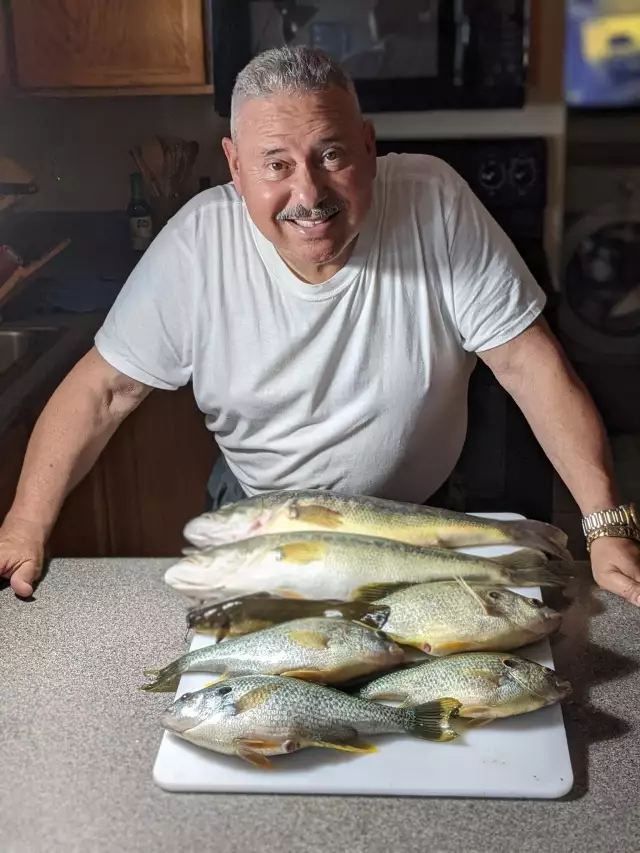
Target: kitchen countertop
(79, 740)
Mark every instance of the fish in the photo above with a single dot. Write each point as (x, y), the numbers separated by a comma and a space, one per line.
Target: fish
(452, 616)
(327, 650)
(489, 685)
(255, 716)
(323, 510)
(239, 616)
(343, 566)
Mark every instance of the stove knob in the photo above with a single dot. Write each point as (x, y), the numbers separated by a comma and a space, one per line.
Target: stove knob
(492, 175)
(523, 173)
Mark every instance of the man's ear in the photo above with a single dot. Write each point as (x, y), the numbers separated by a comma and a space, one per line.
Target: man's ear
(231, 153)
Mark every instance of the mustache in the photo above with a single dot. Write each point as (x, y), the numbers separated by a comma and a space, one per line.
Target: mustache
(301, 212)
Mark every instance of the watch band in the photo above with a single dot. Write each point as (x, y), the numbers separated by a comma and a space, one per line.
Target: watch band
(621, 521)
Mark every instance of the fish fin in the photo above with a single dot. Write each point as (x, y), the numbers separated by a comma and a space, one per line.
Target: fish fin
(308, 674)
(289, 593)
(358, 746)
(539, 536)
(165, 679)
(370, 593)
(319, 516)
(537, 577)
(484, 605)
(431, 721)
(451, 648)
(522, 559)
(302, 553)
(309, 639)
(376, 616)
(246, 750)
(255, 698)
(215, 683)
(476, 715)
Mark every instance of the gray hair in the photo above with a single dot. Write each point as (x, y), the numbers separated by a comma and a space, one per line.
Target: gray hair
(295, 70)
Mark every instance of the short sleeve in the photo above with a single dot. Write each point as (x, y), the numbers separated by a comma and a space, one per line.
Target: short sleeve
(148, 333)
(495, 296)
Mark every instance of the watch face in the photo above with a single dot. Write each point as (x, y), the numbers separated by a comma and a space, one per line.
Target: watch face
(602, 281)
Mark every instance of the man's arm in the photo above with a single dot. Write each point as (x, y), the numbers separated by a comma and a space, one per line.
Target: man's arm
(535, 372)
(72, 431)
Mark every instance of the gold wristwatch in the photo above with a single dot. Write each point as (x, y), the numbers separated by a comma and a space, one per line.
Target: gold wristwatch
(621, 521)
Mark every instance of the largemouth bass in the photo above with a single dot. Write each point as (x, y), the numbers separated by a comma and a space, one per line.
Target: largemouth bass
(290, 511)
(336, 565)
(239, 616)
(327, 650)
(257, 716)
(451, 617)
(488, 685)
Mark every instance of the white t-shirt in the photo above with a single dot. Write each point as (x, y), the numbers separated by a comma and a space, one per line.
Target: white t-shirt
(358, 384)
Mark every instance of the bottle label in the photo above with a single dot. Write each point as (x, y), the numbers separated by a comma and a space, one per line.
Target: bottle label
(141, 230)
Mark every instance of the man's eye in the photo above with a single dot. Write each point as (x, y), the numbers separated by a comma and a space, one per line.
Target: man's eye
(276, 166)
(331, 156)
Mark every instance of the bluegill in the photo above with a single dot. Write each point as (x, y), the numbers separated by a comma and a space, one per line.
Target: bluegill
(253, 717)
(414, 524)
(326, 650)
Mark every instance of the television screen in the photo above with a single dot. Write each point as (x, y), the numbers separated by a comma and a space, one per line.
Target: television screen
(602, 58)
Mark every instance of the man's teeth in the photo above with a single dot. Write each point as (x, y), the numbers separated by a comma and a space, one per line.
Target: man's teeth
(310, 223)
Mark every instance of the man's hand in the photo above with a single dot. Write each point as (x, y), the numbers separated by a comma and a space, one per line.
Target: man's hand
(616, 566)
(21, 554)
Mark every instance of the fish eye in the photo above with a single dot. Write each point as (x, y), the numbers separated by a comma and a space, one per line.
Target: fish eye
(548, 671)
(381, 635)
(493, 595)
(535, 602)
(510, 663)
(222, 691)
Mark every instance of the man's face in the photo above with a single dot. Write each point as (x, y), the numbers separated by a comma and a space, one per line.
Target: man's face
(305, 166)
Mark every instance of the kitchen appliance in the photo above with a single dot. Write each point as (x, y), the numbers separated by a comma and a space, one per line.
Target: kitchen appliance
(402, 54)
(523, 757)
(502, 465)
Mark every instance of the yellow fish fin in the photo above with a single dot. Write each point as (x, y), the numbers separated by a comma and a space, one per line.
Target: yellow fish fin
(371, 593)
(307, 674)
(247, 750)
(301, 553)
(289, 593)
(450, 648)
(217, 681)
(476, 715)
(319, 516)
(309, 639)
(487, 608)
(255, 698)
(345, 747)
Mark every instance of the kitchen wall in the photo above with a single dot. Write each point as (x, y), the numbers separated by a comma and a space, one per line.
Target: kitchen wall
(78, 148)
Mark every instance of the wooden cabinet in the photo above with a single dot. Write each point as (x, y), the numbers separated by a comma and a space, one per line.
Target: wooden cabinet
(117, 44)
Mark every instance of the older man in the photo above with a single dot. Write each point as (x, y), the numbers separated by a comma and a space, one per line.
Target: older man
(328, 306)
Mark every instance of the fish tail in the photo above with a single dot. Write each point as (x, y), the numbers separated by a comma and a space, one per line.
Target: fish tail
(539, 536)
(165, 679)
(432, 720)
(523, 558)
(541, 577)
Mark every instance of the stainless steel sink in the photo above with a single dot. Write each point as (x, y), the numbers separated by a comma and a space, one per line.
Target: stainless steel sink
(25, 344)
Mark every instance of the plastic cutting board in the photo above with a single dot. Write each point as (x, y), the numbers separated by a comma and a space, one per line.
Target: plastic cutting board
(520, 757)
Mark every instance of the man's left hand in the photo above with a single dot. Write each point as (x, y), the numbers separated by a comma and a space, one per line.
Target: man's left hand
(616, 566)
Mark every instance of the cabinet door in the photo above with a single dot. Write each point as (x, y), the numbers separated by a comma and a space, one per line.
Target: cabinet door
(13, 445)
(4, 58)
(109, 43)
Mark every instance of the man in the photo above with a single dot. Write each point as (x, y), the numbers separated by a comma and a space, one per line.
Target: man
(329, 307)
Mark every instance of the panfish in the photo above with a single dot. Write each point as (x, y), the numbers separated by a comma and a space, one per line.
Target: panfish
(256, 716)
(489, 685)
(327, 650)
(343, 566)
(239, 616)
(451, 617)
(319, 510)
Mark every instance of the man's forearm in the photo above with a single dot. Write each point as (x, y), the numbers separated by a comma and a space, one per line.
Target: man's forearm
(562, 416)
(70, 434)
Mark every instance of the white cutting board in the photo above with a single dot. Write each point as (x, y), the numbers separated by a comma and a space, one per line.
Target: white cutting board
(524, 757)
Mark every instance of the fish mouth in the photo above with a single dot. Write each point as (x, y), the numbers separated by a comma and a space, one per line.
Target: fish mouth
(172, 723)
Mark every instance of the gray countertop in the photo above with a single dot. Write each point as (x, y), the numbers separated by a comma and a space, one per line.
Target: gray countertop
(78, 740)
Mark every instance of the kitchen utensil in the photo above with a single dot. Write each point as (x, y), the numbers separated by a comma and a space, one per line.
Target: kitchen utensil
(20, 275)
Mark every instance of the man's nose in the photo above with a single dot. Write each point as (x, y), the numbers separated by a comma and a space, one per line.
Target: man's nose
(309, 188)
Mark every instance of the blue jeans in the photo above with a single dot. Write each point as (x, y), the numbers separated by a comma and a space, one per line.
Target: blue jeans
(223, 488)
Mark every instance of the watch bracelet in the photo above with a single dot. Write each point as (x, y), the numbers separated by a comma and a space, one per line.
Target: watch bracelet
(620, 531)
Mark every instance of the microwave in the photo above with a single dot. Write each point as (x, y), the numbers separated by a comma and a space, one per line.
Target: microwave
(406, 55)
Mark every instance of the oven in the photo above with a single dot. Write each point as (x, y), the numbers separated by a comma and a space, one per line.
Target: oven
(403, 55)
